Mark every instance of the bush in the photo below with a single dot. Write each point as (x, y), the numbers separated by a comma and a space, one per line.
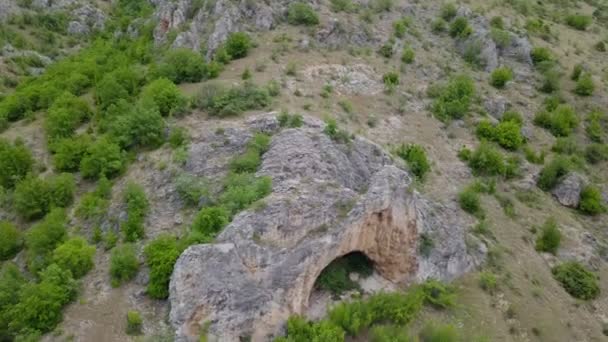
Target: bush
(454, 99)
(183, 65)
(388, 333)
(69, 152)
(408, 55)
(16, 160)
(487, 161)
(577, 280)
(300, 13)
(594, 127)
(579, 21)
(298, 329)
(550, 237)
(238, 45)
(137, 207)
(342, 5)
(584, 85)
(591, 201)
(439, 333)
(386, 50)
(161, 255)
(540, 54)
(34, 197)
(123, 264)
(470, 202)
(104, 158)
(415, 156)
(191, 189)
(488, 282)
(210, 221)
(400, 27)
(577, 71)
(507, 133)
(64, 116)
(551, 174)
(109, 91)
(241, 190)
(134, 323)
(566, 146)
(135, 126)
(221, 102)
(561, 122)
(448, 11)
(165, 95)
(291, 121)
(596, 153)
(75, 255)
(334, 133)
(43, 238)
(460, 28)
(93, 205)
(11, 241)
(500, 77)
(391, 80)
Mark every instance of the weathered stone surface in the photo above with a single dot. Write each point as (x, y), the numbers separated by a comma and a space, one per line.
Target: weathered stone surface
(568, 191)
(496, 106)
(7, 8)
(328, 200)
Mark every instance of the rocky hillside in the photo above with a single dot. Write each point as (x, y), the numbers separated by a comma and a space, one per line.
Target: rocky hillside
(316, 170)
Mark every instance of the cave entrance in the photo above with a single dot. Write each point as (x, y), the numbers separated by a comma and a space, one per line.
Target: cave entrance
(344, 273)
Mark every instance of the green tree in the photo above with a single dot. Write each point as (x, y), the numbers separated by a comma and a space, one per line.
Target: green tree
(109, 91)
(64, 116)
(136, 126)
(165, 95)
(104, 158)
(16, 160)
(43, 238)
(161, 254)
(75, 255)
(300, 13)
(11, 240)
(210, 220)
(137, 205)
(550, 237)
(123, 264)
(577, 280)
(69, 152)
(183, 65)
(591, 201)
(238, 45)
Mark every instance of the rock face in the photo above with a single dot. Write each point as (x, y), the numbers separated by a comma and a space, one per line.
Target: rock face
(328, 200)
(568, 191)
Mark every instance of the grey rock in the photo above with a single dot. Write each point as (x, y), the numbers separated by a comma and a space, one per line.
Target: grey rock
(7, 9)
(568, 191)
(328, 199)
(496, 106)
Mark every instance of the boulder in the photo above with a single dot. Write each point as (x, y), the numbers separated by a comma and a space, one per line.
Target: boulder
(568, 191)
(328, 199)
(496, 106)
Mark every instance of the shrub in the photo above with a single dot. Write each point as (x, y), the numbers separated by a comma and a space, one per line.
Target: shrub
(391, 80)
(342, 5)
(415, 156)
(103, 158)
(502, 38)
(165, 95)
(488, 282)
(594, 127)
(386, 50)
(566, 146)
(540, 54)
(132, 126)
(561, 122)
(591, 201)
(439, 25)
(460, 28)
(550, 237)
(16, 160)
(69, 152)
(251, 159)
(579, 21)
(64, 116)
(584, 85)
(577, 280)
(388, 333)
(408, 55)
(238, 45)
(93, 205)
(191, 189)
(577, 71)
(210, 221)
(512, 116)
(596, 153)
(11, 241)
(470, 202)
(241, 190)
(134, 323)
(109, 91)
(123, 264)
(335, 133)
(75, 255)
(448, 11)
(507, 133)
(43, 238)
(291, 121)
(439, 333)
(183, 65)
(221, 102)
(137, 205)
(178, 137)
(381, 5)
(34, 197)
(500, 77)
(300, 13)
(487, 161)
(400, 27)
(551, 174)
(454, 99)
(161, 254)
(298, 329)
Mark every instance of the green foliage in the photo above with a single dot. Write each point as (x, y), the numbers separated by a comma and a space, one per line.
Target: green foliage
(64, 116)
(234, 101)
(448, 11)
(42, 238)
(134, 323)
(135, 126)
(161, 254)
(500, 77)
(291, 121)
(502, 38)
(566, 146)
(391, 80)
(123, 264)
(342, 5)
(178, 137)
(388, 333)
(241, 190)
(577, 280)
(584, 85)
(460, 28)
(486, 160)
(561, 121)
(488, 282)
(439, 333)
(540, 54)
(34, 197)
(11, 283)
(579, 21)
(16, 160)
(11, 241)
(507, 133)
(381, 5)
(191, 189)
(165, 95)
(300, 13)
(416, 158)
(470, 202)
(596, 153)
(408, 55)
(300, 330)
(400, 27)
(75, 255)
(210, 221)
(386, 50)
(577, 71)
(69, 152)
(251, 159)
(591, 201)
(103, 158)
(110, 91)
(94, 204)
(454, 98)
(551, 81)
(183, 65)
(335, 278)
(550, 237)
(594, 127)
(551, 174)
(238, 45)
(335, 133)
(137, 205)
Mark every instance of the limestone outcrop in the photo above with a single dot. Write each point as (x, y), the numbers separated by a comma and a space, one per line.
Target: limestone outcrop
(329, 199)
